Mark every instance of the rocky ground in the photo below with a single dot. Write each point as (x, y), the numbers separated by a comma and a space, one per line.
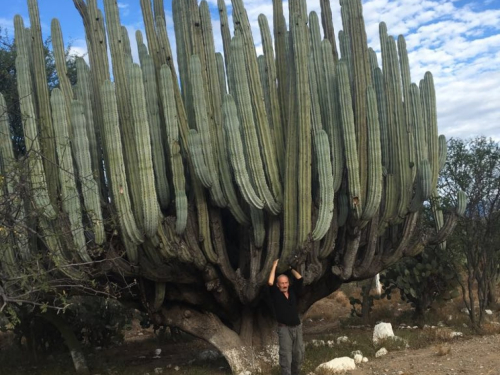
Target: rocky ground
(475, 356)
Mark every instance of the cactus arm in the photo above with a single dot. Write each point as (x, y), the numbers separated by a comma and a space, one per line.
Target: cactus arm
(84, 94)
(245, 114)
(157, 147)
(349, 136)
(89, 186)
(177, 167)
(332, 121)
(8, 168)
(206, 142)
(443, 149)
(236, 153)
(47, 135)
(196, 151)
(300, 52)
(117, 173)
(60, 60)
(265, 138)
(325, 214)
(259, 231)
(38, 176)
(69, 194)
(149, 202)
(327, 22)
(274, 103)
(224, 29)
(374, 188)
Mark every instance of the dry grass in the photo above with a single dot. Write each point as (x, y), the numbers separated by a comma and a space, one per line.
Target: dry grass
(443, 350)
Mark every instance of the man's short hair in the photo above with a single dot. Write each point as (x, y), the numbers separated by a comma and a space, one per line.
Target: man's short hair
(282, 275)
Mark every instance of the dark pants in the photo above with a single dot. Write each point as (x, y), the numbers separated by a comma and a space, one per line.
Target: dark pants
(291, 349)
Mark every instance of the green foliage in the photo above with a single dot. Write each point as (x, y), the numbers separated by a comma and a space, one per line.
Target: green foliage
(421, 280)
(98, 321)
(473, 166)
(8, 81)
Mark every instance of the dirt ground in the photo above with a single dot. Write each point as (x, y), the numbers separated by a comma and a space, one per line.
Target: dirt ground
(475, 356)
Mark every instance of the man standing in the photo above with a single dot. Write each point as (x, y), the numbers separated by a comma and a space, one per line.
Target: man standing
(283, 299)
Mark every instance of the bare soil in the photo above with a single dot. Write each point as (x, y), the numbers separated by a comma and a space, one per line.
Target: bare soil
(475, 356)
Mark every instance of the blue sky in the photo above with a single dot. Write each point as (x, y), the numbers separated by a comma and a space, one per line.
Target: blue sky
(457, 40)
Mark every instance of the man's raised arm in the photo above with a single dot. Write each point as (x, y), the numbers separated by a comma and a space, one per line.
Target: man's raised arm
(272, 275)
(295, 273)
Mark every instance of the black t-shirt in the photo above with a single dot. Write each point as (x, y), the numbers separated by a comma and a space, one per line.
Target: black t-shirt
(285, 309)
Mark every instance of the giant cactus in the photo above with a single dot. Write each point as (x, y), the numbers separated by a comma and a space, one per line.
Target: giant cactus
(321, 158)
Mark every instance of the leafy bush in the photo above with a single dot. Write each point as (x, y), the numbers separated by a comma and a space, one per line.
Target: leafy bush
(98, 321)
(422, 280)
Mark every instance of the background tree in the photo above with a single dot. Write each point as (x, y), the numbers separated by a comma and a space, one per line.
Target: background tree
(194, 189)
(474, 166)
(8, 80)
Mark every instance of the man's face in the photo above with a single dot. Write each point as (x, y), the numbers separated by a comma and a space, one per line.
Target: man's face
(283, 283)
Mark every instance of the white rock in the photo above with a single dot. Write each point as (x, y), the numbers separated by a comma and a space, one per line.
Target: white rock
(382, 331)
(330, 343)
(342, 339)
(354, 352)
(365, 359)
(489, 312)
(358, 358)
(465, 310)
(157, 351)
(338, 365)
(456, 334)
(318, 343)
(177, 368)
(381, 353)
(245, 373)
(158, 370)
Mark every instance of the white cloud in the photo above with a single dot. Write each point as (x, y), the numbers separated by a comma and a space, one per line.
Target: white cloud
(460, 45)
(124, 9)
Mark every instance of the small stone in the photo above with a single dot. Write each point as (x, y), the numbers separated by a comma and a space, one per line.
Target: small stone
(157, 351)
(365, 359)
(177, 368)
(342, 339)
(158, 370)
(381, 352)
(489, 312)
(358, 358)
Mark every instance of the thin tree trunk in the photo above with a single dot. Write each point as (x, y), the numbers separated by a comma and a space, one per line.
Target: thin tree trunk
(71, 341)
